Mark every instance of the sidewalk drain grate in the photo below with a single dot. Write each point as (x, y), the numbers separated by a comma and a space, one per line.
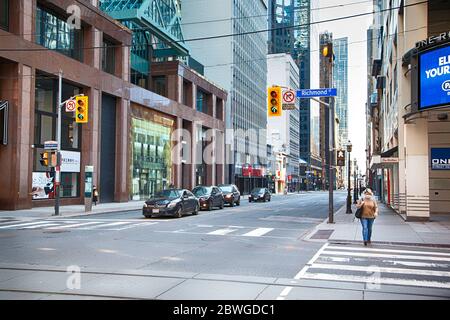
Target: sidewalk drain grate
(322, 234)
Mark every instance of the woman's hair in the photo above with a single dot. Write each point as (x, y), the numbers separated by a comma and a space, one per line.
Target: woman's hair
(368, 192)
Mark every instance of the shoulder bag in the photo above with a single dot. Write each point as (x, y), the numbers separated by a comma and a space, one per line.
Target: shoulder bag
(358, 212)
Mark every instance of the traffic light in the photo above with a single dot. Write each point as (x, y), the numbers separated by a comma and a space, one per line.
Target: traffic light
(327, 50)
(81, 111)
(274, 101)
(44, 160)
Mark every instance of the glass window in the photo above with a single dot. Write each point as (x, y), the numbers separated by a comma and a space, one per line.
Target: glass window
(69, 185)
(4, 23)
(201, 101)
(108, 57)
(54, 33)
(46, 126)
(159, 85)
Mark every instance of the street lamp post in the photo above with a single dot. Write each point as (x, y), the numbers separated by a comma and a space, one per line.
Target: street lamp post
(355, 182)
(349, 197)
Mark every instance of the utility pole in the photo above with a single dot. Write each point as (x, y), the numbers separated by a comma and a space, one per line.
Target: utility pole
(349, 197)
(57, 178)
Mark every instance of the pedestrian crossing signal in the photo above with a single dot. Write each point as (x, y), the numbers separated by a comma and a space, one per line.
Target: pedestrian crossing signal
(274, 101)
(81, 111)
(44, 159)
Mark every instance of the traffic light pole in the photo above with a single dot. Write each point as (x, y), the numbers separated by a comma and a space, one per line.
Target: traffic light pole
(57, 179)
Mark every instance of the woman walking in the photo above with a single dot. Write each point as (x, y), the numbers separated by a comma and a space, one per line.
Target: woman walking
(369, 211)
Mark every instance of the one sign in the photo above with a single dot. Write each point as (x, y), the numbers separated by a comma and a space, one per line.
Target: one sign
(434, 78)
(71, 105)
(440, 158)
(311, 93)
(289, 100)
(70, 161)
(88, 181)
(389, 160)
(42, 185)
(50, 145)
(341, 158)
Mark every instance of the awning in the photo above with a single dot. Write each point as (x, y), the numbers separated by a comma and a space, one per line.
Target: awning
(390, 152)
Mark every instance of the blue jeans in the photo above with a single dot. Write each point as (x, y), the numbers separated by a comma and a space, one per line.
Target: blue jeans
(367, 228)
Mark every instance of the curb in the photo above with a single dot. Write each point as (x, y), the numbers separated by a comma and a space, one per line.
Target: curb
(309, 234)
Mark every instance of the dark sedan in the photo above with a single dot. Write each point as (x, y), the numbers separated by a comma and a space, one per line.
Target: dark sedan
(209, 197)
(171, 202)
(259, 194)
(231, 194)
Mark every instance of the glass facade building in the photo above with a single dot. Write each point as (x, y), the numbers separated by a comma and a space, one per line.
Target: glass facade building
(150, 158)
(340, 81)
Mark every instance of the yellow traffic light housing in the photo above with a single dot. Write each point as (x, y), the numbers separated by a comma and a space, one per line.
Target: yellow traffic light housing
(274, 101)
(81, 111)
(44, 159)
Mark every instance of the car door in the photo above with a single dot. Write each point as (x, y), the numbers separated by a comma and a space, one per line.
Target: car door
(216, 196)
(235, 193)
(192, 201)
(187, 206)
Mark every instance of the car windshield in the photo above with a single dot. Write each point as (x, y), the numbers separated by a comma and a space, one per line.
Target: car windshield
(171, 194)
(226, 188)
(258, 190)
(201, 191)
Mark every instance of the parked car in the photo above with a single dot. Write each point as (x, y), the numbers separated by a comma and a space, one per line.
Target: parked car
(259, 194)
(209, 197)
(171, 202)
(231, 194)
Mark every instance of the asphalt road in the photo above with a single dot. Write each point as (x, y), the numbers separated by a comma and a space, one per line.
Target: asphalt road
(254, 251)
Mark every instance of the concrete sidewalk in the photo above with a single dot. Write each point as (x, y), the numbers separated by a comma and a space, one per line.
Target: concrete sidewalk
(389, 228)
(71, 211)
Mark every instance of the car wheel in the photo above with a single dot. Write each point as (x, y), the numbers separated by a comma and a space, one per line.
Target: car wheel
(232, 203)
(249, 200)
(269, 199)
(221, 205)
(210, 205)
(147, 216)
(195, 212)
(179, 213)
(238, 203)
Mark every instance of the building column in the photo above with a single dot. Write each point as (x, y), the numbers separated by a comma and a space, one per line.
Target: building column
(220, 157)
(417, 176)
(122, 191)
(16, 158)
(210, 155)
(177, 147)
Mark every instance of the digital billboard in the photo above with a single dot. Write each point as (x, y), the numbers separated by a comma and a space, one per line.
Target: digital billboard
(434, 80)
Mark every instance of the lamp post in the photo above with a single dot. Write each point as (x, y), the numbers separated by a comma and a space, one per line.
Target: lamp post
(355, 182)
(349, 197)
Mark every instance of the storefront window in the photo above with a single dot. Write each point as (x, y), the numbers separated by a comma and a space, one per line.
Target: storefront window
(45, 130)
(151, 167)
(4, 14)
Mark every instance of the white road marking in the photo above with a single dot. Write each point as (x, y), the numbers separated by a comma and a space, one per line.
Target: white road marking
(222, 232)
(388, 261)
(382, 280)
(105, 225)
(310, 262)
(40, 226)
(133, 226)
(258, 232)
(72, 225)
(392, 256)
(381, 269)
(389, 250)
(285, 292)
(22, 224)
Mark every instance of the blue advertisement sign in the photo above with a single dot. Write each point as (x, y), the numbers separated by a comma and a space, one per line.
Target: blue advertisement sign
(440, 158)
(434, 79)
(312, 93)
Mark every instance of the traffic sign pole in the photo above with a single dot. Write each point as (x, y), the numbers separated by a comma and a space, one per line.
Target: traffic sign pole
(58, 150)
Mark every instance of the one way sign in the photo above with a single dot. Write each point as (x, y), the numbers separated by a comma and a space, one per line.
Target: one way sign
(341, 158)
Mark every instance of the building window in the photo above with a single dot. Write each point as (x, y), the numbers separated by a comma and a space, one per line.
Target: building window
(139, 79)
(54, 33)
(45, 129)
(201, 101)
(159, 85)
(4, 8)
(108, 57)
(187, 94)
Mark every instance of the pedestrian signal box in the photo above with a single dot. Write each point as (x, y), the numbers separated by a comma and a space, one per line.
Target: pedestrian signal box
(44, 159)
(274, 101)
(81, 111)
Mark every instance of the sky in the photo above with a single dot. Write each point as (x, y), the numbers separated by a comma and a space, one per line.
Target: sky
(356, 31)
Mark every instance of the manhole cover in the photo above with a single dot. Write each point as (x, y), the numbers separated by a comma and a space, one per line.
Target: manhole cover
(322, 234)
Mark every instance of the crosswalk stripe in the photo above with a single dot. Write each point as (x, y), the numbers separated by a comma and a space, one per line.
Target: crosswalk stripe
(22, 224)
(394, 262)
(72, 225)
(376, 255)
(390, 250)
(373, 280)
(381, 269)
(222, 232)
(258, 232)
(40, 226)
(105, 225)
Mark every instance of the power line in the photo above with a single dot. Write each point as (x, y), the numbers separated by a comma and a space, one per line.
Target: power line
(234, 34)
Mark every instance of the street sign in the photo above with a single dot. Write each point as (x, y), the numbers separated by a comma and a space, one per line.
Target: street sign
(289, 100)
(311, 93)
(341, 158)
(71, 105)
(50, 145)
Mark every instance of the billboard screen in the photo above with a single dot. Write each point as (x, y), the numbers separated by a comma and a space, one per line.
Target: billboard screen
(434, 80)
